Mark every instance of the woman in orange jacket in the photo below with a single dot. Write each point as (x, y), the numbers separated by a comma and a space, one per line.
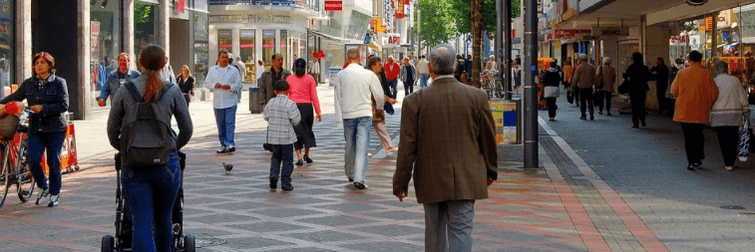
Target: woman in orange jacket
(695, 94)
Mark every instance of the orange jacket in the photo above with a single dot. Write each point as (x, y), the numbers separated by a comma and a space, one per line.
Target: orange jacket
(695, 94)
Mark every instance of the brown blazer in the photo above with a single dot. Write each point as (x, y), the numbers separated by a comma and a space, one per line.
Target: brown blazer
(448, 142)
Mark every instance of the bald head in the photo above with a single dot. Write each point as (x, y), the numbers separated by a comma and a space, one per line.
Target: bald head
(352, 55)
(442, 60)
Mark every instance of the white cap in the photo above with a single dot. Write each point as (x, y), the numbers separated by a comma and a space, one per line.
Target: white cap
(583, 56)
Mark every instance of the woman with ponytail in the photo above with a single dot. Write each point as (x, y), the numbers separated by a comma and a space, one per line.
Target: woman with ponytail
(151, 193)
(303, 91)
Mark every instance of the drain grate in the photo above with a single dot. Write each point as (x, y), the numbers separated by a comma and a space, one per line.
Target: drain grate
(208, 242)
(733, 207)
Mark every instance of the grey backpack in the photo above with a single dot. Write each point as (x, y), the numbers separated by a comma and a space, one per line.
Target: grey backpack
(146, 137)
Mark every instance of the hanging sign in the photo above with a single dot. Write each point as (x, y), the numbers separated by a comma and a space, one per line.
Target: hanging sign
(180, 6)
(333, 5)
(399, 9)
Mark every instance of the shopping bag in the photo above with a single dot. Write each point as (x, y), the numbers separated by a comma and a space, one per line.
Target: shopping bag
(744, 141)
(551, 91)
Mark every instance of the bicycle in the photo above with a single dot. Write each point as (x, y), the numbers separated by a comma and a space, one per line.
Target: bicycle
(15, 169)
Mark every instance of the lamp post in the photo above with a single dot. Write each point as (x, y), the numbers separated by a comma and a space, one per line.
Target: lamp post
(529, 71)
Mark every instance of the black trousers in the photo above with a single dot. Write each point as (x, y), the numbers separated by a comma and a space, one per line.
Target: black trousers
(638, 107)
(607, 101)
(694, 142)
(408, 87)
(551, 107)
(585, 97)
(662, 100)
(728, 139)
(188, 100)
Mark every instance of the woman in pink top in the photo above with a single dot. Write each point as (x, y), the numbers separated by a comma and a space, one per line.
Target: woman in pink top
(304, 93)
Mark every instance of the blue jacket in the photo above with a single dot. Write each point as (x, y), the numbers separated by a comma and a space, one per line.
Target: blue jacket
(113, 82)
(52, 93)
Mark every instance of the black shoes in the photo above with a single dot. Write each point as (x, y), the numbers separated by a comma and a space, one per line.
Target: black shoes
(643, 124)
(583, 118)
(307, 159)
(600, 112)
(273, 184)
(592, 118)
(287, 188)
(691, 167)
(360, 185)
(608, 113)
(351, 180)
(300, 162)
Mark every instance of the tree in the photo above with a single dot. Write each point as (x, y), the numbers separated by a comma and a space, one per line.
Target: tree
(435, 21)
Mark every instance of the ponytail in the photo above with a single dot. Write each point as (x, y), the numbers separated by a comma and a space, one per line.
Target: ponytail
(152, 60)
(153, 86)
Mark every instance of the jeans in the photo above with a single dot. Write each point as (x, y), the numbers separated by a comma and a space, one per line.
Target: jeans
(393, 84)
(694, 142)
(356, 132)
(151, 196)
(52, 142)
(408, 87)
(282, 154)
(226, 121)
(585, 97)
(423, 80)
(448, 226)
(728, 139)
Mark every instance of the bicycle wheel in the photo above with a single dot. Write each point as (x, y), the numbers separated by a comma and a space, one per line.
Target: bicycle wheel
(25, 179)
(9, 173)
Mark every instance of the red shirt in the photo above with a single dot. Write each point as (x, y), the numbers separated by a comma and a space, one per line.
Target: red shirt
(392, 73)
(303, 90)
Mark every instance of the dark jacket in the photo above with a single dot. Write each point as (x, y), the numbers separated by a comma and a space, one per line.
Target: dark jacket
(638, 76)
(447, 143)
(551, 77)
(52, 93)
(265, 83)
(661, 75)
(186, 86)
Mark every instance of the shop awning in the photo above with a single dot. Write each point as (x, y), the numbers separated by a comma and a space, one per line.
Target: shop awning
(326, 36)
(374, 45)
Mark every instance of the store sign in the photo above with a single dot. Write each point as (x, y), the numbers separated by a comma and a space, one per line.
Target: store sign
(610, 31)
(682, 40)
(95, 36)
(251, 19)
(709, 24)
(180, 6)
(333, 5)
(388, 13)
(568, 34)
(399, 9)
(394, 40)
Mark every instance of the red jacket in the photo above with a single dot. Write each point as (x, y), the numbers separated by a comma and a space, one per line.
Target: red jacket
(392, 74)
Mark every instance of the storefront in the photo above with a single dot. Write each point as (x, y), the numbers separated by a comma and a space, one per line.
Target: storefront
(7, 42)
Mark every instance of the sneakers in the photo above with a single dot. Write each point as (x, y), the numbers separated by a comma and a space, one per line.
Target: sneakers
(551, 119)
(222, 150)
(273, 184)
(729, 168)
(287, 188)
(691, 167)
(360, 185)
(230, 148)
(300, 162)
(307, 159)
(42, 194)
(391, 151)
(54, 200)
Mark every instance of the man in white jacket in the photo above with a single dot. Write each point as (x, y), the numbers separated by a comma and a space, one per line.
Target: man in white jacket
(354, 89)
(224, 81)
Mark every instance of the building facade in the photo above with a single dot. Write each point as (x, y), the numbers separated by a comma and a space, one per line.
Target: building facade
(86, 36)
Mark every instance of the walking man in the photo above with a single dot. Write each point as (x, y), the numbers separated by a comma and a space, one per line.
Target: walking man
(392, 70)
(453, 171)
(660, 72)
(117, 78)
(424, 74)
(273, 75)
(408, 75)
(224, 81)
(582, 81)
(354, 89)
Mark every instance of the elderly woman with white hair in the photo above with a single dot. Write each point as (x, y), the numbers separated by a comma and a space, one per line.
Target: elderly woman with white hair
(607, 80)
(728, 113)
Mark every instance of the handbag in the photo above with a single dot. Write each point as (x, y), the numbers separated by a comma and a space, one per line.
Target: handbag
(744, 141)
(551, 91)
(624, 87)
(267, 146)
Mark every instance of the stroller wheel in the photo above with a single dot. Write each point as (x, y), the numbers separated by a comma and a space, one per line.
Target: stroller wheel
(190, 243)
(108, 243)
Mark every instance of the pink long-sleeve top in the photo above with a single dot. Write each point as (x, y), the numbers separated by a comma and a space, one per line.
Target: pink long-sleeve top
(303, 90)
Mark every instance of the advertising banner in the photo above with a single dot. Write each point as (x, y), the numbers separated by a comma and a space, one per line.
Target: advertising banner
(333, 5)
(567, 34)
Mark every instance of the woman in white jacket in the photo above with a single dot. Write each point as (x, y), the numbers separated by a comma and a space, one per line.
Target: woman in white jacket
(728, 113)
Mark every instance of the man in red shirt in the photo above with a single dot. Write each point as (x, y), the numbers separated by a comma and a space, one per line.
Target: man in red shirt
(392, 70)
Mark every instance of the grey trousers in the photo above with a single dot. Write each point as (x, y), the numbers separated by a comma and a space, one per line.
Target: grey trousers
(448, 226)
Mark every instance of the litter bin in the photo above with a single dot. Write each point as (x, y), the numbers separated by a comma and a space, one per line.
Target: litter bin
(254, 100)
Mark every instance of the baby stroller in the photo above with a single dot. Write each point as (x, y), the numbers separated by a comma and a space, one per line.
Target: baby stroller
(123, 224)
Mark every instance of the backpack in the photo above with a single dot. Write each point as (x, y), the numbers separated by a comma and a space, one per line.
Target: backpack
(146, 137)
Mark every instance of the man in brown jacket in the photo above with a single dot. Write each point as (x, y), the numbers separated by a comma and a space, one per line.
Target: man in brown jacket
(448, 142)
(582, 81)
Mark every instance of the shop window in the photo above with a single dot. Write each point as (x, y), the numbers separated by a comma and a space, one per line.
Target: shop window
(268, 47)
(145, 26)
(284, 48)
(201, 46)
(6, 43)
(224, 40)
(246, 47)
(105, 26)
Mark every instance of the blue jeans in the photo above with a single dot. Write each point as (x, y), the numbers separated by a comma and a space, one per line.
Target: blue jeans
(394, 85)
(37, 144)
(356, 131)
(226, 121)
(282, 154)
(151, 196)
(448, 225)
(423, 80)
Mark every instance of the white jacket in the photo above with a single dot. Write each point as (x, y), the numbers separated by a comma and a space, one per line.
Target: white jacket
(226, 76)
(354, 89)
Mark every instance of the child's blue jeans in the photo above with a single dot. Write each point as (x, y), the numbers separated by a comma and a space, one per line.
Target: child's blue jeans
(282, 154)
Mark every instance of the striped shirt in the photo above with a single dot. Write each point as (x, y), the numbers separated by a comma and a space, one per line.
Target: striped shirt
(281, 115)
